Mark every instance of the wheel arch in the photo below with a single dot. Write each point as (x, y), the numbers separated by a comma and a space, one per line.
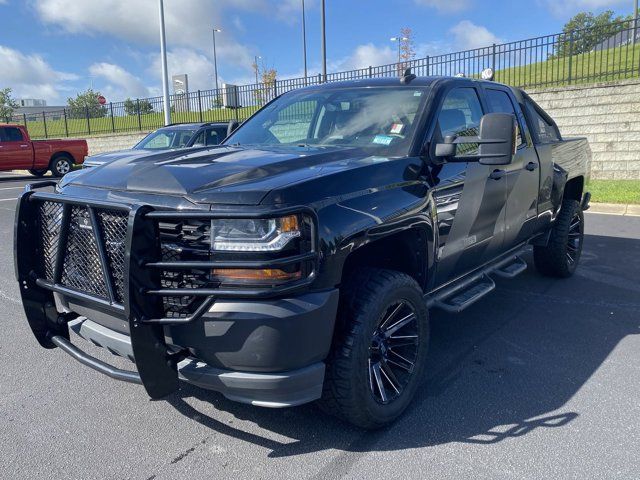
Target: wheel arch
(405, 251)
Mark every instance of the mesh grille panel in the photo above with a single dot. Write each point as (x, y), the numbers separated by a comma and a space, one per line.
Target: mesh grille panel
(82, 269)
(113, 226)
(50, 220)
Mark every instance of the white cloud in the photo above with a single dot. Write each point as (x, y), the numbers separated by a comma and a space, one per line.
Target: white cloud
(445, 6)
(571, 7)
(197, 66)
(30, 76)
(364, 56)
(137, 22)
(467, 35)
(120, 82)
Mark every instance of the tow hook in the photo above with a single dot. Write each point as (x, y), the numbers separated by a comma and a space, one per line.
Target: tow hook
(585, 201)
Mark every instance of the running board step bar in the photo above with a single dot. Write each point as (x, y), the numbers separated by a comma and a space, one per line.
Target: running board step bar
(456, 300)
(512, 269)
(467, 291)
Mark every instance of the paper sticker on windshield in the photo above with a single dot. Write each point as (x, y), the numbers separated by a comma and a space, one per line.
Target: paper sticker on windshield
(397, 128)
(382, 139)
(417, 94)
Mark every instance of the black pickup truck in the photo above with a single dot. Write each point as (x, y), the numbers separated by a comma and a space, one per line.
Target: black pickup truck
(298, 261)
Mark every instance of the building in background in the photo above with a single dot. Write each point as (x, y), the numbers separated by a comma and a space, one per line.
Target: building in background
(32, 102)
(180, 92)
(32, 110)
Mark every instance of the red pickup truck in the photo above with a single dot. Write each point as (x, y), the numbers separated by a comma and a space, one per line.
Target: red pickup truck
(19, 152)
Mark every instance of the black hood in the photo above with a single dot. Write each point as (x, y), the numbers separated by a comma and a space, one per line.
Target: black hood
(100, 158)
(230, 175)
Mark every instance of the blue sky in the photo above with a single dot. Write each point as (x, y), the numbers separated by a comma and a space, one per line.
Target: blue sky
(51, 49)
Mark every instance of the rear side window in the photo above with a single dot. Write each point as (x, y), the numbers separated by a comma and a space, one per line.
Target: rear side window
(10, 134)
(543, 130)
(499, 102)
(460, 115)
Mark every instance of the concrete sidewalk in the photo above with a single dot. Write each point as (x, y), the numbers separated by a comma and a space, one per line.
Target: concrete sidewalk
(615, 209)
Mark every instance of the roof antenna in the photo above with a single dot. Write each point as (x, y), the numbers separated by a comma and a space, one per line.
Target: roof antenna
(407, 77)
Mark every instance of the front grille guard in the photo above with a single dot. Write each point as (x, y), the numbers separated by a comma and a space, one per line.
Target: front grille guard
(141, 304)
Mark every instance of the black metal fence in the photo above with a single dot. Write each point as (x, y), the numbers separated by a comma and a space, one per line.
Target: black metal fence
(605, 53)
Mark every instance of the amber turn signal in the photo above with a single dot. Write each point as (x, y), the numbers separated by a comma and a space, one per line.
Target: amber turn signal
(250, 274)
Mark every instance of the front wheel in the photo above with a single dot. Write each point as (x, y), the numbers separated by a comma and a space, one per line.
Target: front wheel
(61, 165)
(379, 351)
(559, 258)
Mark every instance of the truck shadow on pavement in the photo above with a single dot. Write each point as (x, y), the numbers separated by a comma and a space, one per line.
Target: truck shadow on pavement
(502, 369)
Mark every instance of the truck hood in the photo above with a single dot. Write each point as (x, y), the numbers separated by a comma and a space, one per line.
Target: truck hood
(226, 175)
(100, 158)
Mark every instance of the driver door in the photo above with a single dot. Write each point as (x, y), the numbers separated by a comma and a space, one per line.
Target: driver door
(470, 205)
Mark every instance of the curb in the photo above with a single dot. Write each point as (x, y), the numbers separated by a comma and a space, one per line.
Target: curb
(615, 209)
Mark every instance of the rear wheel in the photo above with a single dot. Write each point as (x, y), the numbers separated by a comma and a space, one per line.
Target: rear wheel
(61, 165)
(561, 255)
(379, 351)
(38, 173)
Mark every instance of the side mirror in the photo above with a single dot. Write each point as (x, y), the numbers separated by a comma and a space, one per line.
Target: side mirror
(233, 124)
(497, 141)
(196, 145)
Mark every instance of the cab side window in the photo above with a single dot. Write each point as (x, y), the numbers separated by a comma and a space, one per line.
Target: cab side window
(460, 116)
(10, 134)
(499, 102)
(543, 131)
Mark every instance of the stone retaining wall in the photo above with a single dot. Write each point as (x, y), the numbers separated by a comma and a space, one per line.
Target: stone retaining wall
(608, 114)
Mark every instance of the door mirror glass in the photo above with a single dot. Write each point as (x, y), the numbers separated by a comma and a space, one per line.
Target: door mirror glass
(496, 141)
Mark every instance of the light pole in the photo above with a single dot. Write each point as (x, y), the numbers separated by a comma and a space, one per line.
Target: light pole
(323, 45)
(635, 21)
(304, 43)
(255, 66)
(165, 78)
(215, 57)
(399, 40)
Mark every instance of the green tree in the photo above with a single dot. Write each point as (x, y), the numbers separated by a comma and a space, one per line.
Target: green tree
(86, 103)
(588, 31)
(7, 104)
(266, 88)
(131, 107)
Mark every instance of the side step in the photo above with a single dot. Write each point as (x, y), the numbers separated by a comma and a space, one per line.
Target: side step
(467, 291)
(513, 269)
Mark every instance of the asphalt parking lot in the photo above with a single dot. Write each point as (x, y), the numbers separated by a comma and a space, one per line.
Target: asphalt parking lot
(540, 380)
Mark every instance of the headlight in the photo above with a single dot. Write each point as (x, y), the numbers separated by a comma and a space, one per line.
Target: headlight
(253, 235)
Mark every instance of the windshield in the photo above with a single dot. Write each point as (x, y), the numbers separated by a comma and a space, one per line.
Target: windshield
(165, 138)
(380, 118)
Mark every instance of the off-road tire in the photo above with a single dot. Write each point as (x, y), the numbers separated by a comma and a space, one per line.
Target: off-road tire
(364, 301)
(561, 255)
(38, 173)
(61, 165)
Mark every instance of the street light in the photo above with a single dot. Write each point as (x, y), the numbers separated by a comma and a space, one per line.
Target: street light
(304, 43)
(255, 66)
(323, 44)
(399, 40)
(215, 58)
(163, 55)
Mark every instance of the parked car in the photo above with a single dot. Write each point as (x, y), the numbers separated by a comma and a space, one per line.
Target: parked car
(299, 261)
(179, 135)
(19, 152)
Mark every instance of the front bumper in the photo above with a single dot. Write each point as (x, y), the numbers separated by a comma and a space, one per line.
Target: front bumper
(287, 342)
(255, 341)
